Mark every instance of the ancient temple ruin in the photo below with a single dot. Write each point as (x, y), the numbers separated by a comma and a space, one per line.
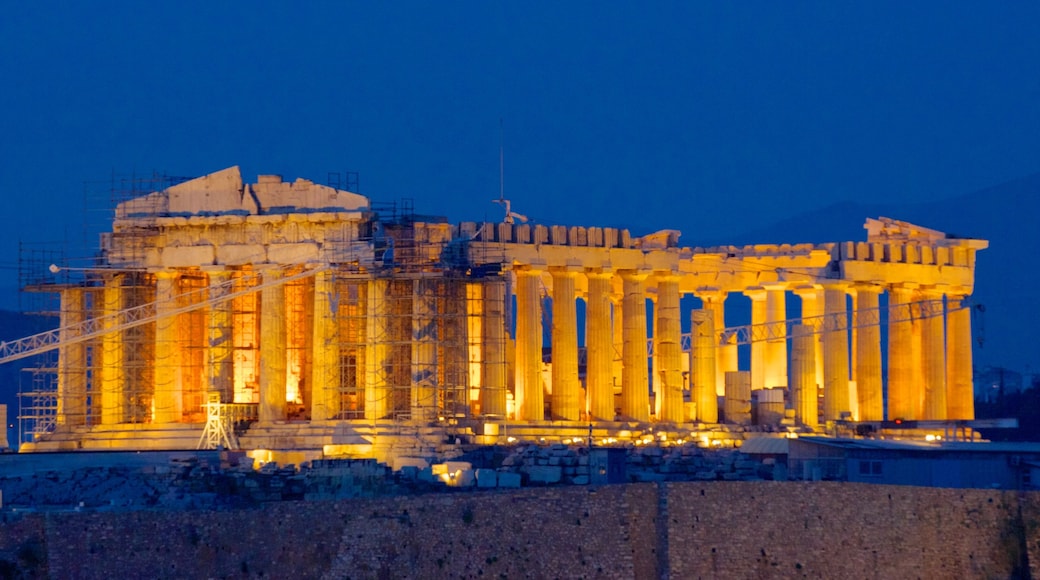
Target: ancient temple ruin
(296, 316)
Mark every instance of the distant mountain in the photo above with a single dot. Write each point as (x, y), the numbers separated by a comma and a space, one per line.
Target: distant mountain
(1007, 274)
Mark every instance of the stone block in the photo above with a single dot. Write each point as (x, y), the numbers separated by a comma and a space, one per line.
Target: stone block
(510, 480)
(544, 473)
(486, 478)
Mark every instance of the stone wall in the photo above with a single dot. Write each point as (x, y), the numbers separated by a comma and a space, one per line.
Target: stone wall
(678, 530)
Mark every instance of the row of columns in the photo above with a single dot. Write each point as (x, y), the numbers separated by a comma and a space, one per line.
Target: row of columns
(929, 351)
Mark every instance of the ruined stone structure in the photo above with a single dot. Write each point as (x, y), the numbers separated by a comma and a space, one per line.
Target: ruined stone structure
(301, 317)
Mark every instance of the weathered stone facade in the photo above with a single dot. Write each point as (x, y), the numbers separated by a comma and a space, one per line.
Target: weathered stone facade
(675, 530)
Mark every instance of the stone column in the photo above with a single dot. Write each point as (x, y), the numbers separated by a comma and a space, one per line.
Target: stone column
(599, 348)
(273, 355)
(725, 354)
(775, 366)
(960, 395)
(325, 366)
(377, 351)
(812, 312)
(566, 402)
(72, 362)
(475, 346)
(530, 405)
(835, 353)
(737, 404)
(168, 402)
(933, 351)
(758, 334)
(804, 393)
(900, 355)
(220, 343)
(111, 369)
(635, 394)
(617, 302)
(868, 354)
(424, 349)
(494, 380)
(702, 371)
(669, 355)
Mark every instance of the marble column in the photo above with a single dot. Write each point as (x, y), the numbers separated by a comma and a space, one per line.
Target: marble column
(599, 348)
(900, 355)
(325, 367)
(567, 403)
(111, 369)
(960, 395)
(835, 353)
(933, 351)
(530, 404)
(703, 371)
(804, 392)
(725, 354)
(758, 335)
(273, 353)
(669, 356)
(220, 342)
(494, 380)
(378, 353)
(635, 394)
(812, 313)
(424, 349)
(72, 362)
(868, 354)
(775, 355)
(168, 402)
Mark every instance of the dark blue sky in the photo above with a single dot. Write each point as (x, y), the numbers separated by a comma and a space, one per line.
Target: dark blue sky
(711, 118)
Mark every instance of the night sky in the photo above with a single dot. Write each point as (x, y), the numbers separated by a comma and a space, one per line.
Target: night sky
(711, 118)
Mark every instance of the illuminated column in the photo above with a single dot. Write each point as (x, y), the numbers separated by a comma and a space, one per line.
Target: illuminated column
(530, 404)
(168, 403)
(933, 353)
(377, 351)
(475, 346)
(868, 354)
(599, 348)
(669, 350)
(325, 365)
(494, 381)
(220, 343)
(703, 370)
(617, 301)
(804, 393)
(273, 356)
(960, 396)
(111, 369)
(566, 393)
(655, 361)
(835, 353)
(725, 354)
(812, 311)
(900, 355)
(737, 404)
(72, 362)
(775, 366)
(424, 349)
(635, 395)
(758, 333)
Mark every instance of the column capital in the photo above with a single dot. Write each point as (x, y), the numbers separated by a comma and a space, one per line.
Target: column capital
(807, 291)
(600, 273)
(635, 275)
(568, 271)
(755, 293)
(867, 287)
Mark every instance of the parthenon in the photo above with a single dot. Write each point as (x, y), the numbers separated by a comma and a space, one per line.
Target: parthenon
(293, 315)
